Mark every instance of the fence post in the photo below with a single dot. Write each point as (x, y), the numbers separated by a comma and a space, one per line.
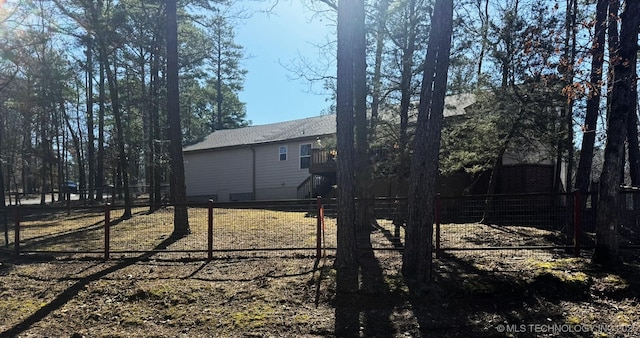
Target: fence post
(577, 219)
(16, 232)
(210, 231)
(437, 216)
(319, 228)
(107, 230)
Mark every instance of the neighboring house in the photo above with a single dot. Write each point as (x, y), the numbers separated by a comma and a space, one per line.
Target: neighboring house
(528, 165)
(263, 162)
(530, 170)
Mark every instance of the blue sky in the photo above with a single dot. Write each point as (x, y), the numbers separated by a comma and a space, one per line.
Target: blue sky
(274, 41)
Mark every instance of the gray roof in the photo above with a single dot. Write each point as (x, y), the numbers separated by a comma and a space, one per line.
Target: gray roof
(454, 105)
(308, 127)
(267, 133)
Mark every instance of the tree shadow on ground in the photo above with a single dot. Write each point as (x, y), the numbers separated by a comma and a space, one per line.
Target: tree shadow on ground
(366, 311)
(91, 232)
(394, 239)
(73, 290)
(468, 301)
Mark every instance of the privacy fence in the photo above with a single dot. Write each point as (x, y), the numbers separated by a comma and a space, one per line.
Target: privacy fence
(494, 223)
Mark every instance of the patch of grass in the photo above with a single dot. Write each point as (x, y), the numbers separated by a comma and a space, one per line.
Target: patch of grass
(573, 320)
(561, 276)
(478, 287)
(558, 264)
(395, 284)
(622, 319)
(20, 307)
(565, 284)
(131, 318)
(615, 281)
(574, 277)
(252, 317)
(301, 318)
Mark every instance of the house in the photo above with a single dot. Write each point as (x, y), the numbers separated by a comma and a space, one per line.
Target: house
(265, 162)
(294, 159)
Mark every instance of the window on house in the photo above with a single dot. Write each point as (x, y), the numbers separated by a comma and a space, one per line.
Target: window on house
(283, 153)
(305, 156)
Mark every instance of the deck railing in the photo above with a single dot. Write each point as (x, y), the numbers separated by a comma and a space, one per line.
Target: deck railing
(322, 161)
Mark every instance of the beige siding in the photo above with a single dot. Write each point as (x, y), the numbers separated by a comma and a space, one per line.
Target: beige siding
(220, 172)
(277, 179)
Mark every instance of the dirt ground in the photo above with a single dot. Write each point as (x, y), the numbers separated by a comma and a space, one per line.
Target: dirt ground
(292, 297)
(504, 293)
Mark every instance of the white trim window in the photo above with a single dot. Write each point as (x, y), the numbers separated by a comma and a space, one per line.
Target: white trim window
(283, 153)
(305, 156)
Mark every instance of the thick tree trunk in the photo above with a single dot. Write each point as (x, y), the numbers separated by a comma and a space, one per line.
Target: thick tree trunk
(406, 77)
(346, 255)
(179, 190)
(634, 156)
(376, 98)
(634, 148)
(363, 167)
(613, 41)
(583, 177)
(570, 46)
(622, 101)
(417, 259)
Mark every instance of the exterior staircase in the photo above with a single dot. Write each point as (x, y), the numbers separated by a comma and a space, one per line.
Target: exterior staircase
(317, 185)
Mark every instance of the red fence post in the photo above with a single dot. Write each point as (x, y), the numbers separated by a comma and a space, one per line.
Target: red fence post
(437, 216)
(577, 219)
(16, 232)
(319, 228)
(107, 230)
(210, 231)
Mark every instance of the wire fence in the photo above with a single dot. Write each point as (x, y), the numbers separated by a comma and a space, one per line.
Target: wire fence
(480, 225)
(522, 225)
(507, 222)
(220, 228)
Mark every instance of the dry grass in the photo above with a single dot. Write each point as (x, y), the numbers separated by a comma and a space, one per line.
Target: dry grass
(234, 229)
(269, 295)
